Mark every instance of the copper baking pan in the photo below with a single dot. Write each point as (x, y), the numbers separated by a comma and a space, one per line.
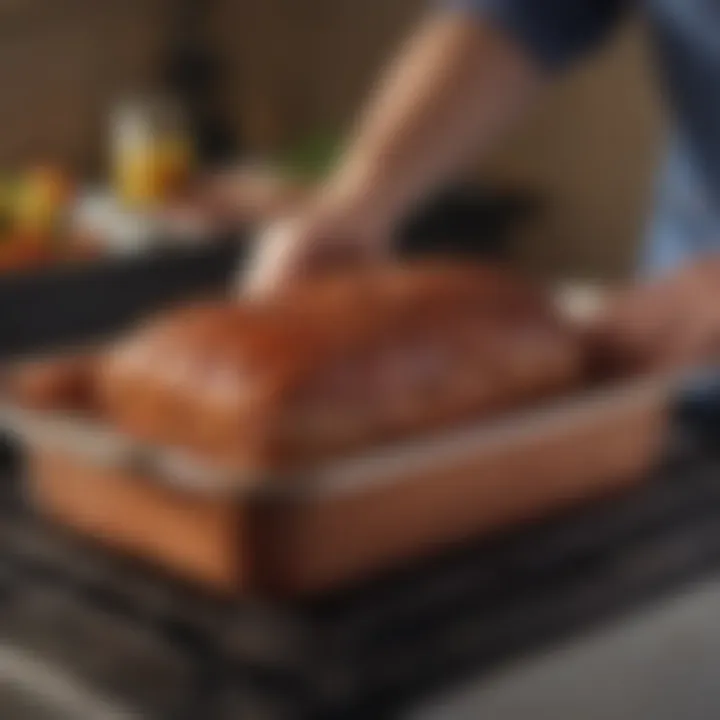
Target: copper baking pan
(336, 524)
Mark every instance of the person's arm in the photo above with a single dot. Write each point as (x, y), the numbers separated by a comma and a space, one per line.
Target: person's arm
(460, 82)
(453, 90)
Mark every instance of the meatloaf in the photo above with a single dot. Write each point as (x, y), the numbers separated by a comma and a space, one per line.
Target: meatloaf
(333, 366)
(63, 383)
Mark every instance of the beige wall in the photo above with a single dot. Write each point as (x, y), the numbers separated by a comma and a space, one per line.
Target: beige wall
(592, 150)
(61, 63)
(298, 65)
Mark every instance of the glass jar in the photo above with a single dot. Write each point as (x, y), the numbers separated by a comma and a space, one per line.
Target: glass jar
(152, 156)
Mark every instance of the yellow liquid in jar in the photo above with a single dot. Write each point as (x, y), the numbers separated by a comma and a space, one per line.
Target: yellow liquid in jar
(175, 161)
(149, 173)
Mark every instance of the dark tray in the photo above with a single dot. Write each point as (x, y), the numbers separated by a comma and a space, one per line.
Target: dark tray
(52, 307)
(469, 222)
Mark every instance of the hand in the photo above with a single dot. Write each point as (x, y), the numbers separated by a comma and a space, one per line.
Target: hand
(250, 195)
(693, 327)
(664, 325)
(241, 196)
(326, 237)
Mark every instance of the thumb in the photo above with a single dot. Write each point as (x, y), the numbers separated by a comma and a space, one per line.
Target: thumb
(273, 260)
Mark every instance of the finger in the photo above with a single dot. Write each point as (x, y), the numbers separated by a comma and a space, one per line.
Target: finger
(276, 257)
(693, 341)
(697, 325)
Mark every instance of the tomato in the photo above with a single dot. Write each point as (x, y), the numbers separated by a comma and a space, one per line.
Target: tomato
(20, 251)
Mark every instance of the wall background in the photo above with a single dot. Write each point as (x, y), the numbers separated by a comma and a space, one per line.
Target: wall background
(593, 150)
(61, 62)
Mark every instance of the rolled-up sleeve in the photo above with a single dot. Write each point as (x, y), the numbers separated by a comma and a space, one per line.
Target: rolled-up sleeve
(554, 32)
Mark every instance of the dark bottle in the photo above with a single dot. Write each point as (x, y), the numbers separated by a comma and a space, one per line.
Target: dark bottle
(194, 76)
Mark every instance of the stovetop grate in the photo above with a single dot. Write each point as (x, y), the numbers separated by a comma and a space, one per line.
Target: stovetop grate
(367, 650)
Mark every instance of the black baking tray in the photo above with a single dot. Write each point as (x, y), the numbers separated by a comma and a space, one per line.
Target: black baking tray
(71, 304)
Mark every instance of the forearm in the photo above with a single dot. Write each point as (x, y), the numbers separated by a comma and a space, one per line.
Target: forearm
(453, 91)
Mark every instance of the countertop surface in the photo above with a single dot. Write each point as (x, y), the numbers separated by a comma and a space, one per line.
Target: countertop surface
(660, 663)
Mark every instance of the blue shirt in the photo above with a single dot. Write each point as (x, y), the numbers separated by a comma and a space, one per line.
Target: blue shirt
(686, 34)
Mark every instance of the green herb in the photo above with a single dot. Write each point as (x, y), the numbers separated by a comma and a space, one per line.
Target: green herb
(312, 158)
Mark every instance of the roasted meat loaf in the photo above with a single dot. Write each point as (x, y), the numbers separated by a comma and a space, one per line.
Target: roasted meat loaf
(334, 366)
(63, 383)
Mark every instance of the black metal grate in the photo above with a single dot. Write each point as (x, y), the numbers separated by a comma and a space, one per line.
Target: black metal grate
(367, 651)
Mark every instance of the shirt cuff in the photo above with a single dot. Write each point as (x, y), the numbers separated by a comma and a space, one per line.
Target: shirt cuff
(553, 32)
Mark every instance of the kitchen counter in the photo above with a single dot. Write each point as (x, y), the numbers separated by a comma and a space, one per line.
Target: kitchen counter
(660, 663)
